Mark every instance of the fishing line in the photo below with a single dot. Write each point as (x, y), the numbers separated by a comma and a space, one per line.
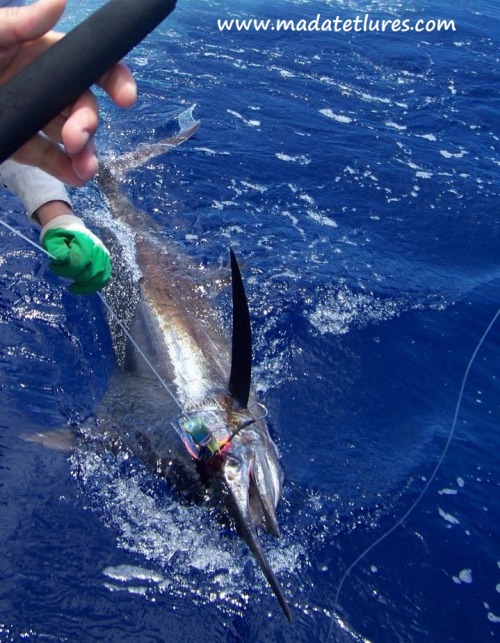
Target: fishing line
(30, 241)
(110, 311)
(139, 350)
(430, 480)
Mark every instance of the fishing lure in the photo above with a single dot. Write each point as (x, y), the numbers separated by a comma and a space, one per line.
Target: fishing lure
(205, 434)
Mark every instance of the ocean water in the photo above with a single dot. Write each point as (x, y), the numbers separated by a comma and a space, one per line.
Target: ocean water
(356, 176)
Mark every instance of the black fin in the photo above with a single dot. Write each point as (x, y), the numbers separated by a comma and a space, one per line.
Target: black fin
(241, 356)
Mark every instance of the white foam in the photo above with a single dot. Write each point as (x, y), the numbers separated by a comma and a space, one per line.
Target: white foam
(369, 98)
(127, 573)
(466, 576)
(249, 122)
(452, 155)
(428, 137)
(131, 589)
(448, 517)
(179, 539)
(255, 186)
(323, 219)
(343, 309)
(307, 198)
(447, 492)
(396, 125)
(301, 160)
(210, 152)
(293, 219)
(104, 218)
(140, 61)
(340, 118)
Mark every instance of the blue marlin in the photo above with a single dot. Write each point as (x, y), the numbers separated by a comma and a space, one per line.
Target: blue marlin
(221, 447)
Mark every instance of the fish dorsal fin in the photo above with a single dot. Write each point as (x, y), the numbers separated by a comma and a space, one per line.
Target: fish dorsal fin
(241, 355)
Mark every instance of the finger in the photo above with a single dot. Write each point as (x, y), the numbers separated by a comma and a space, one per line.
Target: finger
(48, 156)
(81, 124)
(21, 24)
(120, 85)
(53, 130)
(85, 164)
(14, 58)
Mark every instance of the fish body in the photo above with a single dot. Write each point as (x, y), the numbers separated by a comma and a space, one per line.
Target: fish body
(177, 338)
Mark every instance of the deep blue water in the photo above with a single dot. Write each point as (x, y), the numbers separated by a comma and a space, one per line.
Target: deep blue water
(356, 176)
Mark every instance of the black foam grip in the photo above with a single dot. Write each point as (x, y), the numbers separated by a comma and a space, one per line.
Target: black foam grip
(54, 80)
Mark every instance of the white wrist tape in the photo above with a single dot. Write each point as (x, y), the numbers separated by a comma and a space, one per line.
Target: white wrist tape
(73, 224)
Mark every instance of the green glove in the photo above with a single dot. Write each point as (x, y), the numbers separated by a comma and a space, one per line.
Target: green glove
(78, 254)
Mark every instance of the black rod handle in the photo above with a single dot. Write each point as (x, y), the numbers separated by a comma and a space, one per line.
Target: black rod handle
(56, 78)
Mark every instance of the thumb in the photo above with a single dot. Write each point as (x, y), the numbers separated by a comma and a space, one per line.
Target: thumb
(21, 24)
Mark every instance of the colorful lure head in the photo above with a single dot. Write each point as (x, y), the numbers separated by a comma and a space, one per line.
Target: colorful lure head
(206, 433)
(205, 444)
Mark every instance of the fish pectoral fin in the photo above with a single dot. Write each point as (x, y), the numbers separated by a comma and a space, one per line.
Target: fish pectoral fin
(58, 439)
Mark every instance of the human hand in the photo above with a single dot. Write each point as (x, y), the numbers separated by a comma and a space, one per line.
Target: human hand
(77, 254)
(25, 34)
